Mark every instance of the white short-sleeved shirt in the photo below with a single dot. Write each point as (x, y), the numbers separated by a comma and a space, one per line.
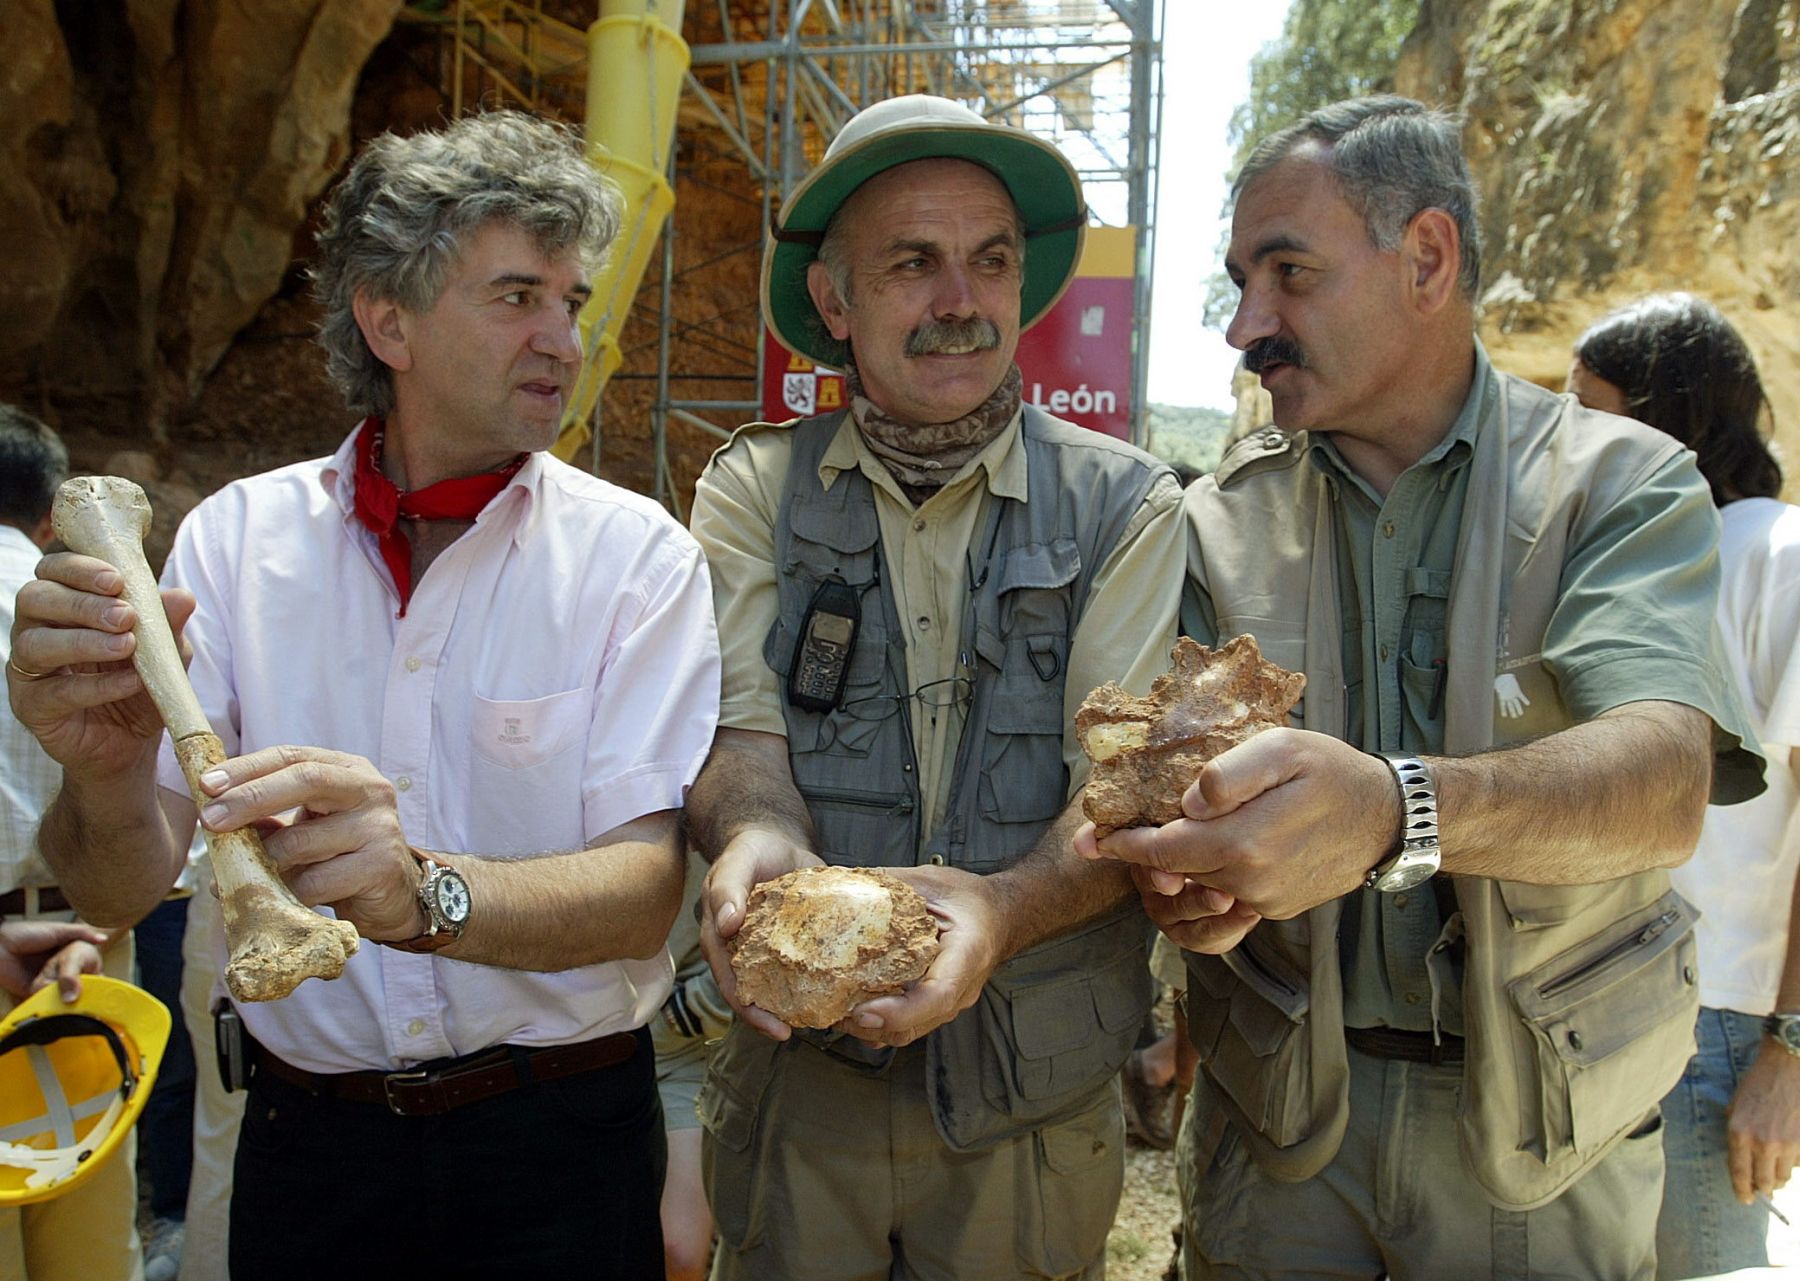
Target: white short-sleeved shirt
(556, 675)
(28, 777)
(1742, 875)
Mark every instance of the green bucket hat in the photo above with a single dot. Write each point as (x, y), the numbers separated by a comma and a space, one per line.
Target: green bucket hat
(1043, 185)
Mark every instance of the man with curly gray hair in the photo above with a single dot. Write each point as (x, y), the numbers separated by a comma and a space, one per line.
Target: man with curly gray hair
(460, 729)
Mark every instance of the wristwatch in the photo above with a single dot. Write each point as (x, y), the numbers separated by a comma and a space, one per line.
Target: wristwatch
(1784, 1030)
(444, 896)
(1418, 855)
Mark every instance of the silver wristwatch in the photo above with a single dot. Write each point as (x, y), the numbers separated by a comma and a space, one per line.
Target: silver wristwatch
(1418, 855)
(444, 898)
(1784, 1030)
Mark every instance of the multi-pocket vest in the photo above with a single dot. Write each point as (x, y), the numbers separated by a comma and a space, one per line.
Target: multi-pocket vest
(1055, 1022)
(1579, 1000)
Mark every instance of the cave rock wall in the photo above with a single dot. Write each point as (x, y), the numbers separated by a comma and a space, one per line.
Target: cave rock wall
(1623, 148)
(156, 160)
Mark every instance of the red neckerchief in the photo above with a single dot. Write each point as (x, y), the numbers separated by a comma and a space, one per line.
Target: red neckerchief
(380, 504)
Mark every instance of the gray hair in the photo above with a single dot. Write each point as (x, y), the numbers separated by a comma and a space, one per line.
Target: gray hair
(1393, 158)
(394, 226)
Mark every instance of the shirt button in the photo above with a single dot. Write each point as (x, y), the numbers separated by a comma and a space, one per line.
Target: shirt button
(415, 1027)
(1412, 998)
(1384, 653)
(924, 623)
(1387, 529)
(403, 783)
(413, 664)
(918, 524)
(1399, 900)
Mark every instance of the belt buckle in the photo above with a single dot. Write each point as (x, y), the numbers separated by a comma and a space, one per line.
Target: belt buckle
(417, 1076)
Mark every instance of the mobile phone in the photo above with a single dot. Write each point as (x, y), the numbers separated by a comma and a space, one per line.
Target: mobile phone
(228, 1044)
(822, 658)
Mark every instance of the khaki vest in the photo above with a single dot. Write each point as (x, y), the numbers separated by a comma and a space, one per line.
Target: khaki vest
(1055, 1022)
(1579, 1001)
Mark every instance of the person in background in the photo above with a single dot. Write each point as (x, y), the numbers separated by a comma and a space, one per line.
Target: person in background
(692, 1020)
(90, 1233)
(1731, 1128)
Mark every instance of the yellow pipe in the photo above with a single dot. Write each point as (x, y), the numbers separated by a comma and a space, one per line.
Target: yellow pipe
(636, 61)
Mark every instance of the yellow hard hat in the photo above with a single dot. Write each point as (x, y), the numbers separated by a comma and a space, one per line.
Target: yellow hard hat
(73, 1079)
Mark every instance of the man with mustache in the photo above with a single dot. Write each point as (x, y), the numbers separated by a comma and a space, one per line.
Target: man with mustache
(1438, 981)
(464, 688)
(986, 566)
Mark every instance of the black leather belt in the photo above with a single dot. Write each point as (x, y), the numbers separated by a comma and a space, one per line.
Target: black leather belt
(49, 899)
(432, 1091)
(1410, 1047)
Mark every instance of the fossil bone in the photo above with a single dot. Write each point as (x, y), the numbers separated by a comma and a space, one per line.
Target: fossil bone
(818, 942)
(276, 943)
(1148, 751)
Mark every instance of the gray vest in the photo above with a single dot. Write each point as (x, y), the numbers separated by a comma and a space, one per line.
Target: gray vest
(1055, 1022)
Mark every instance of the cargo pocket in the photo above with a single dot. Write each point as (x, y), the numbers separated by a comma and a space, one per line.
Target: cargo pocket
(1051, 1026)
(1071, 1190)
(1245, 1011)
(1602, 1015)
(731, 1101)
(1023, 782)
(1077, 1031)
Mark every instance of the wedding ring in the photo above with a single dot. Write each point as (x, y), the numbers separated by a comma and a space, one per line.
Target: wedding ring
(22, 673)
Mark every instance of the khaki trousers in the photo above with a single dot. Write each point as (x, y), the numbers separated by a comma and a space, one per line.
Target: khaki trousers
(1397, 1201)
(834, 1172)
(89, 1234)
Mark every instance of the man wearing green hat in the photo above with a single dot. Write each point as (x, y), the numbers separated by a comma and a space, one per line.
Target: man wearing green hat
(914, 594)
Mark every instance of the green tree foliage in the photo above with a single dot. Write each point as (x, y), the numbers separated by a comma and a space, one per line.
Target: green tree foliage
(1328, 49)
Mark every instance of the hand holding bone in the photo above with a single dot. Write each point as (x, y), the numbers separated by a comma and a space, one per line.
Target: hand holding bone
(275, 943)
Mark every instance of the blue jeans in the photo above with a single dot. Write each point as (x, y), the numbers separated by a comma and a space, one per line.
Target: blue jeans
(1703, 1229)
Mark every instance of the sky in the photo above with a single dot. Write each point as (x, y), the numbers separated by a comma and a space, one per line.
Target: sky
(1206, 73)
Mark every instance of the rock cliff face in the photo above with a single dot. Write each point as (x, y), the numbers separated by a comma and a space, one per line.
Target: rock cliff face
(157, 158)
(1624, 148)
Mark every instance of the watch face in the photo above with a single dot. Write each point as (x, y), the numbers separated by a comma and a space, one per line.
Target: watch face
(1406, 876)
(1786, 1029)
(452, 893)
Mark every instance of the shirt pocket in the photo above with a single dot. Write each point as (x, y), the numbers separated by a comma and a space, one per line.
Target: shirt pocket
(517, 734)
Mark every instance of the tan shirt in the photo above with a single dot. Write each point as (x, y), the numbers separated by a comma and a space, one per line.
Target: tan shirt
(1125, 633)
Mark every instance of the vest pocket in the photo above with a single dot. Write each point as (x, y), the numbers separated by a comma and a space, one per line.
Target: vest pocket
(1022, 777)
(1053, 1025)
(875, 829)
(1245, 1010)
(1603, 1016)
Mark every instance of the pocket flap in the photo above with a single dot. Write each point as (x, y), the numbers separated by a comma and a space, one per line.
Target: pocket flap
(1593, 1000)
(1040, 565)
(832, 521)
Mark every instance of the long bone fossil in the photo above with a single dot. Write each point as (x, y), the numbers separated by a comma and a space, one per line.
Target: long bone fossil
(275, 942)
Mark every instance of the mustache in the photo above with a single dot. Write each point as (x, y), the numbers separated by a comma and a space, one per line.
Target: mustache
(1273, 351)
(941, 335)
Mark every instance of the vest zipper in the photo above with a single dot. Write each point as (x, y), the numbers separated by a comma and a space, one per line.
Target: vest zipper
(1643, 937)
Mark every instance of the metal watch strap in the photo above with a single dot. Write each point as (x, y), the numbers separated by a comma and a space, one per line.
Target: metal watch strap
(1417, 855)
(434, 937)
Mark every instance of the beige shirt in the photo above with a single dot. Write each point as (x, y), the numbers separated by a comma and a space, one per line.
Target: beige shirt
(1125, 633)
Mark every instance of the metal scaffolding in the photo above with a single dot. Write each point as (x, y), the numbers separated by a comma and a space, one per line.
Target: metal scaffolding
(772, 82)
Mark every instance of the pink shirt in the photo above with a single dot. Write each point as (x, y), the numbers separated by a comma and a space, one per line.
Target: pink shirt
(556, 675)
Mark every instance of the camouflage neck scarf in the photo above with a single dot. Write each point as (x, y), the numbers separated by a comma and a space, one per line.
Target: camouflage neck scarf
(924, 456)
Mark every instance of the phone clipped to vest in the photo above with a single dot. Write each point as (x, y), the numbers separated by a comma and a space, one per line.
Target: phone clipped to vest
(822, 658)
